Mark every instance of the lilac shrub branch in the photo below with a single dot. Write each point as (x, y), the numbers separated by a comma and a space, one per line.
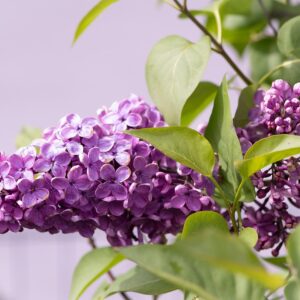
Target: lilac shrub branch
(218, 46)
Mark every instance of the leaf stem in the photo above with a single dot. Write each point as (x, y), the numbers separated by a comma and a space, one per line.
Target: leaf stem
(215, 42)
(268, 17)
(229, 207)
(112, 277)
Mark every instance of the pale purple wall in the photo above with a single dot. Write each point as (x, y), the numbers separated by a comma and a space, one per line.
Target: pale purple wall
(42, 78)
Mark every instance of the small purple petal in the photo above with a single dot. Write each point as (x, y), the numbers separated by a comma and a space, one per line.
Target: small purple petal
(122, 174)
(139, 163)
(134, 120)
(119, 191)
(9, 183)
(105, 144)
(4, 168)
(74, 148)
(60, 183)
(74, 173)
(103, 190)
(107, 172)
(24, 185)
(42, 165)
(116, 208)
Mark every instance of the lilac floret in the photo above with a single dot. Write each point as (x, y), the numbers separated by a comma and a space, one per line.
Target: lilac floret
(87, 174)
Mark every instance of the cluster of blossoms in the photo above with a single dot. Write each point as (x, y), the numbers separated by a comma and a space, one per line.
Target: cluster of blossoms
(86, 174)
(276, 209)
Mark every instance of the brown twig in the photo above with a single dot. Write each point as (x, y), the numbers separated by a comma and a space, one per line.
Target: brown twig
(218, 46)
(112, 277)
(268, 17)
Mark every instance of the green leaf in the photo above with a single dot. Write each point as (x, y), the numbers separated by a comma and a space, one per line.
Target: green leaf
(288, 70)
(203, 220)
(293, 249)
(240, 23)
(245, 103)
(284, 11)
(280, 262)
(267, 151)
(197, 102)
(173, 71)
(203, 263)
(136, 280)
(292, 290)
(182, 144)
(289, 38)
(249, 236)
(91, 16)
(265, 51)
(91, 267)
(222, 136)
(27, 135)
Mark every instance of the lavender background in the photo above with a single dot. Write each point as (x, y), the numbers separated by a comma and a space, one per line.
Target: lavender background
(42, 77)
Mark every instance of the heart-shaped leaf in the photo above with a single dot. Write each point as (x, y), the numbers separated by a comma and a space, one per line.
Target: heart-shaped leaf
(174, 69)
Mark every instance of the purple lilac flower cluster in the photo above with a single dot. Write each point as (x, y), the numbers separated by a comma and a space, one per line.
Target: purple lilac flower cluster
(276, 209)
(86, 174)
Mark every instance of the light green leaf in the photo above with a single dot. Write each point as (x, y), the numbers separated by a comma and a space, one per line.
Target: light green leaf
(246, 102)
(173, 70)
(91, 267)
(293, 249)
(249, 236)
(289, 38)
(222, 136)
(265, 51)
(203, 263)
(182, 144)
(292, 290)
(91, 16)
(197, 102)
(136, 280)
(27, 135)
(267, 151)
(203, 220)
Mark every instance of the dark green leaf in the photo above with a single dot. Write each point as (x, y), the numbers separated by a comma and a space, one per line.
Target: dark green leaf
(222, 136)
(203, 220)
(174, 69)
(203, 263)
(284, 11)
(289, 38)
(182, 144)
(249, 236)
(246, 102)
(264, 51)
(136, 280)
(277, 261)
(27, 135)
(91, 16)
(91, 267)
(267, 151)
(197, 102)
